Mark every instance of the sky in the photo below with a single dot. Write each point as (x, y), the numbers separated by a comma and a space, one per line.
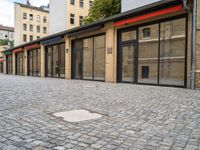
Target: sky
(7, 10)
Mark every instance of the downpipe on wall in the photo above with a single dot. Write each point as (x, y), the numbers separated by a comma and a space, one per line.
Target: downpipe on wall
(193, 43)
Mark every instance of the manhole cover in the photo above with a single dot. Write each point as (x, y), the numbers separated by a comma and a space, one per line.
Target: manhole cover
(77, 115)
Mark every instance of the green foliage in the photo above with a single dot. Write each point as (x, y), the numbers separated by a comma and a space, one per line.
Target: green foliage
(102, 9)
(4, 42)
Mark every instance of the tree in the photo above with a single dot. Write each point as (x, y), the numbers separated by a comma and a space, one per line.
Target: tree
(102, 9)
(4, 42)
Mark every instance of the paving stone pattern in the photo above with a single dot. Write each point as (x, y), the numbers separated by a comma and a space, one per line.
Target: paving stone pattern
(134, 116)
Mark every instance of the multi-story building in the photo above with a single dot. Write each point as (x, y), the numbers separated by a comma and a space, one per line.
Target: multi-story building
(6, 37)
(130, 4)
(67, 14)
(31, 23)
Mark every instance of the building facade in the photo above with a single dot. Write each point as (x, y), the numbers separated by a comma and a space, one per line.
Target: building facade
(67, 14)
(6, 33)
(151, 45)
(127, 5)
(30, 23)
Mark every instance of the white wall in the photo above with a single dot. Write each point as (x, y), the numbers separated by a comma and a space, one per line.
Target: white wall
(132, 4)
(6, 35)
(57, 16)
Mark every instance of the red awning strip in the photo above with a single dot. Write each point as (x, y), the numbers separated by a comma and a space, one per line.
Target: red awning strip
(149, 15)
(34, 46)
(18, 50)
(1, 60)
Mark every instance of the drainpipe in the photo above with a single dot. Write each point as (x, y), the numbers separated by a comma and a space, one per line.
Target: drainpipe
(193, 43)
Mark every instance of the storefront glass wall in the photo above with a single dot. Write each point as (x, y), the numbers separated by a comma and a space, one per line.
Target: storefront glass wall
(55, 61)
(20, 63)
(157, 56)
(9, 64)
(34, 62)
(89, 58)
(1, 67)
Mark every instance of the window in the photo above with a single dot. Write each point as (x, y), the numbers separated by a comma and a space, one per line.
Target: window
(81, 3)
(24, 15)
(31, 27)
(44, 19)
(146, 32)
(25, 38)
(90, 3)
(24, 27)
(31, 38)
(72, 18)
(44, 30)
(148, 55)
(80, 20)
(38, 18)
(172, 52)
(38, 29)
(31, 16)
(38, 37)
(72, 2)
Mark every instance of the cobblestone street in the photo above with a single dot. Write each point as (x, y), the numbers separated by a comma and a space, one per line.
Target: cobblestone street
(134, 116)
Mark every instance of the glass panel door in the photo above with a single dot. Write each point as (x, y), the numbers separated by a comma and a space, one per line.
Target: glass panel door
(128, 62)
(62, 60)
(49, 61)
(55, 61)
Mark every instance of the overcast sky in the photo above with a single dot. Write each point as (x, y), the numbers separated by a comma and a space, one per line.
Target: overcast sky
(7, 10)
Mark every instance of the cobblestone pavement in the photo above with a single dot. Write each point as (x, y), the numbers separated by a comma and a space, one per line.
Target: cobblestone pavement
(134, 116)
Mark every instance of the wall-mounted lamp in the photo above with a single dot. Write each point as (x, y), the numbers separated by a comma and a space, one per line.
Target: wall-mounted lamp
(67, 50)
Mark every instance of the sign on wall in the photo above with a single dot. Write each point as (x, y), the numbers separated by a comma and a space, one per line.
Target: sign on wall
(109, 50)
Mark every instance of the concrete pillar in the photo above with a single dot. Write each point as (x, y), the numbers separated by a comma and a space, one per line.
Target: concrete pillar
(42, 61)
(25, 63)
(14, 64)
(4, 64)
(110, 71)
(68, 51)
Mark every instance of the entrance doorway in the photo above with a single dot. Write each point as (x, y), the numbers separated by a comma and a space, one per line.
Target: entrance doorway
(55, 61)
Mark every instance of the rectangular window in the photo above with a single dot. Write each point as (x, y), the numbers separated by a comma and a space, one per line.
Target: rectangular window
(31, 27)
(44, 30)
(31, 38)
(31, 16)
(38, 18)
(90, 4)
(38, 29)
(99, 57)
(44, 19)
(72, 18)
(81, 3)
(25, 16)
(172, 52)
(72, 2)
(25, 38)
(80, 20)
(24, 27)
(38, 37)
(148, 54)
(89, 58)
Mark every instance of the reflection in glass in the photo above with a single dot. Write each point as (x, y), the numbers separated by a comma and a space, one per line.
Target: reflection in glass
(172, 52)
(148, 55)
(87, 58)
(128, 55)
(99, 57)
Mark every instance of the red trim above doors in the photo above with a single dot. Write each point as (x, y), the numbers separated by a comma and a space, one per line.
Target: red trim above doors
(1, 60)
(149, 15)
(18, 50)
(33, 46)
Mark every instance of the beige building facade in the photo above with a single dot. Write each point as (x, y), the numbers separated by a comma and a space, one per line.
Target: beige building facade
(67, 14)
(151, 47)
(30, 23)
